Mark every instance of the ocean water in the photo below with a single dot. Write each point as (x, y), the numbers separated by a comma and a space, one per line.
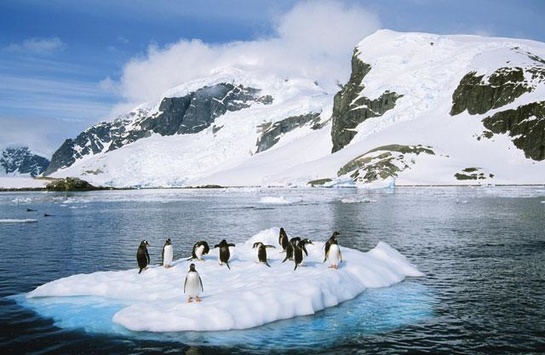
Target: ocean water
(482, 251)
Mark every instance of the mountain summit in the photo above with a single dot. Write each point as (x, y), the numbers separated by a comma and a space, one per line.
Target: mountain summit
(21, 161)
(418, 109)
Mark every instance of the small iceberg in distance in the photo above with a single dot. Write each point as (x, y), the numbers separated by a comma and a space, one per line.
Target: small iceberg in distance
(15, 221)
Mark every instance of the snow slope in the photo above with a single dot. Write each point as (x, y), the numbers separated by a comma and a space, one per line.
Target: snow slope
(424, 68)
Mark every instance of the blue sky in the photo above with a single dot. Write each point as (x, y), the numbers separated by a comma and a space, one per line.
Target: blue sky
(66, 65)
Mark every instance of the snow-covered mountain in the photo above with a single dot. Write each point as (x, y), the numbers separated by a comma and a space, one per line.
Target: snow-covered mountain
(21, 162)
(418, 108)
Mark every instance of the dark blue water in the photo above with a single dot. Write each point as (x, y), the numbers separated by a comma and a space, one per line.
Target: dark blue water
(482, 250)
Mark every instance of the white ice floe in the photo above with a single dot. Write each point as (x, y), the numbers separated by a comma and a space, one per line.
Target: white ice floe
(249, 294)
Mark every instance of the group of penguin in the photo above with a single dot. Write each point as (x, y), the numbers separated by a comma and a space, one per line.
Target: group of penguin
(294, 249)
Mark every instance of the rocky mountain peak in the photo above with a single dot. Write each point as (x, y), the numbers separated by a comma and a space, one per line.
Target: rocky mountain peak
(21, 161)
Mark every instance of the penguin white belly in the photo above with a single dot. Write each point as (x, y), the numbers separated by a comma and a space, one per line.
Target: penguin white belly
(198, 251)
(193, 285)
(334, 255)
(167, 255)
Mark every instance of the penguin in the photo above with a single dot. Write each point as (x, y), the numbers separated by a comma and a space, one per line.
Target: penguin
(193, 284)
(199, 249)
(290, 247)
(168, 253)
(283, 239)
(262, 252)
(142, 255)
(224, 253)
(333, 251)
(298, 252)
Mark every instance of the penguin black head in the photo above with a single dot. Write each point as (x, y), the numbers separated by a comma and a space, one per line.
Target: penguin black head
(168, 241)
(192, 267)
(257, 245)
(144, 243)
(304, 242)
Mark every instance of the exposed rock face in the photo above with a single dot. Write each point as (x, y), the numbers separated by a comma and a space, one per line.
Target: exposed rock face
(22, 161)
(191, 113)
(271, 132)
(478, 94)
(194, 112)
(350, 109)
(525, 124)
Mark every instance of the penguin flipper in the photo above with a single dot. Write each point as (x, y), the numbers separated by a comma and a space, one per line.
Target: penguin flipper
(228, 265)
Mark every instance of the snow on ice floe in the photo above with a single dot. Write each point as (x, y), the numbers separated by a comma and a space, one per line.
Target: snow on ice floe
(250, 294)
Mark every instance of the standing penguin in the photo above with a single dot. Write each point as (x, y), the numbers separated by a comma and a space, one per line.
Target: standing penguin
(199, 249)
(193, 284)
(224, 253)
(142, 255)
(283, 239)
(298, 252)
(333, 251)
(262, 252)
(290, 248)
(168, 253)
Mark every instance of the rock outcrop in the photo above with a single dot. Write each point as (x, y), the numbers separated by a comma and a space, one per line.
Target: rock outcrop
(271, 132)
(479, 94)
(350, 108)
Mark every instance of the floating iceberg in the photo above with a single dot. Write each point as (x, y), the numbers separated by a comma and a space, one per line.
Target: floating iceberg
(248, 295)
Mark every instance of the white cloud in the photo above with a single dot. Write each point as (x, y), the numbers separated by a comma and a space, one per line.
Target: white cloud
(37, 45)
(314, 39)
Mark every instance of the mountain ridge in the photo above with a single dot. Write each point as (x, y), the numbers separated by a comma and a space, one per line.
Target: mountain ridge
(21, 161)
(414, 110)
